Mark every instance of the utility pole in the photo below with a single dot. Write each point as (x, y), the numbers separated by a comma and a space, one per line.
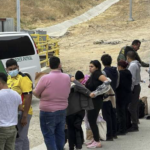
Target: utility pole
(18, 15)
(130, 13)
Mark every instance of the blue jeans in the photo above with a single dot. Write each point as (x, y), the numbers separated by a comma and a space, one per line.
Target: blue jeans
(53, 126)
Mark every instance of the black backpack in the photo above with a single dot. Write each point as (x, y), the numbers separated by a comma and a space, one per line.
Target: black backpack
(141, 109)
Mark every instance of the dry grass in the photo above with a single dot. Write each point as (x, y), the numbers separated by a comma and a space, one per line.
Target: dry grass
(116, 18)
(38, 13)
(78, 49)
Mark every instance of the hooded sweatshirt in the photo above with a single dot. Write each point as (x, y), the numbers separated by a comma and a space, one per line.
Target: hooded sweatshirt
(135, 69)
(112, 73)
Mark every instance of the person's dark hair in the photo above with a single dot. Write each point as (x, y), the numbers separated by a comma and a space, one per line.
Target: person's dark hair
(54, 62)
(3, 77)
(79, 75)
(131, 55)
(136, 42)
(106, 60)
(11, 62)
(96, 63)
(123, 64)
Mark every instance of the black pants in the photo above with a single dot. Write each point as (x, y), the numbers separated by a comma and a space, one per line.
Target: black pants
(109, 115)
(128, 119)
(134, 105)
(66, 135)
(92, 117)
(123, 117)
(75, 132)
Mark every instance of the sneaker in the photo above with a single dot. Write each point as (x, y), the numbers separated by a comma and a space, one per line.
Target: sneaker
(89, 142)
(115, 137)
(79, 148)
(121, 133)
(110, 139)
(95, 145)
(148, 117)
(133, 129)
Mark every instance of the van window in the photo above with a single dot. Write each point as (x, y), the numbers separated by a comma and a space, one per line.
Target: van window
(15, 46)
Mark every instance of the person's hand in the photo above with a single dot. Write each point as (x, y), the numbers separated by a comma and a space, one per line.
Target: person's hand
(72, 79)
(24, 121)
(21, 109)
(92, 95)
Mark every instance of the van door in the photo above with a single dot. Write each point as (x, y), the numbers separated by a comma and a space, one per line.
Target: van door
(2, 69)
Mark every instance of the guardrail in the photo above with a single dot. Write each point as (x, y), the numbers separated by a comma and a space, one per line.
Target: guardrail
(46, 46)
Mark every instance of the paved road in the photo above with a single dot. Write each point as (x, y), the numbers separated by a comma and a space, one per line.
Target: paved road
(132, 141)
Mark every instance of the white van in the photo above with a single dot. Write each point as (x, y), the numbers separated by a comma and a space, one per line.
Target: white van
(21, 47)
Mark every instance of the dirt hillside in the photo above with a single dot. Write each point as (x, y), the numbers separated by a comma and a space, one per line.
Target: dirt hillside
(113, 28)
(41, 13)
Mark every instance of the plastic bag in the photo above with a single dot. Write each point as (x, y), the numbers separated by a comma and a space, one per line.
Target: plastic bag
(101, 123)
(102, 129)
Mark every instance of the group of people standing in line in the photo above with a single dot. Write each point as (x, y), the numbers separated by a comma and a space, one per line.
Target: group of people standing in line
(66, 99)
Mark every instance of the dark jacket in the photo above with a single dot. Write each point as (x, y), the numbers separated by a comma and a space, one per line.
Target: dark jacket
(79, 99)
(123, 55)
(123, 92)
(112, 73)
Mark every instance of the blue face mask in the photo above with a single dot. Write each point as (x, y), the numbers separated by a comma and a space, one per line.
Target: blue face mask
(13, 73)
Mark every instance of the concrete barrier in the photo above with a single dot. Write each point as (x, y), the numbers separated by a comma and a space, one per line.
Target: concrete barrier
(60, 29)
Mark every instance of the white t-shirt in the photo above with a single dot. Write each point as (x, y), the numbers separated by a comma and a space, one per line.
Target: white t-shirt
(9, 102)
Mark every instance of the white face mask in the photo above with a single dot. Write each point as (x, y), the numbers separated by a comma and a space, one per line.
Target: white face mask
(13, 73)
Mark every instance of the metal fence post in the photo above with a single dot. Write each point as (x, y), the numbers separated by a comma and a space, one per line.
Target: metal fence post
(130, 13)
(18, 15)
(47, 48)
